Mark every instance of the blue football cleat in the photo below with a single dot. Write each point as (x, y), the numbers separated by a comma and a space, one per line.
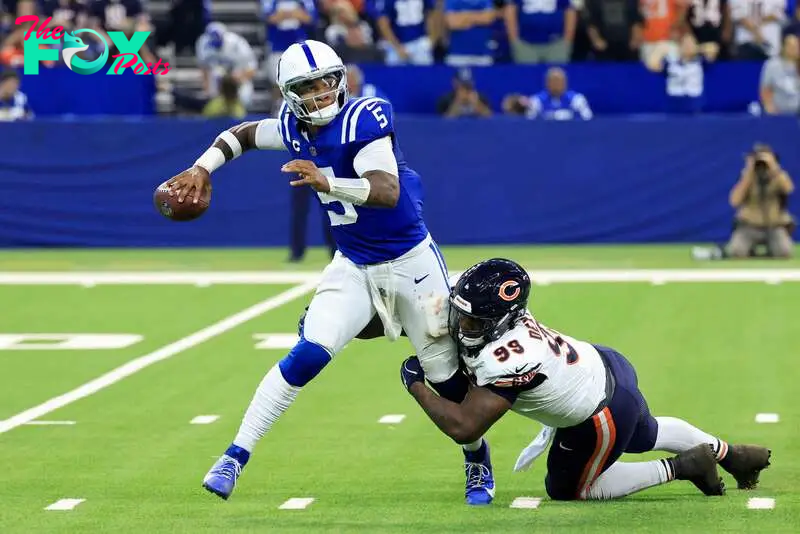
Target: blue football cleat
(480, 480)
(221, 478)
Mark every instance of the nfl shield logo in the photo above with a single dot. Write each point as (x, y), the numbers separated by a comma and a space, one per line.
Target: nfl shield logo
(313, 151)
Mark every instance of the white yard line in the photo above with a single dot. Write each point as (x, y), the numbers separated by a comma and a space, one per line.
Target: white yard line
(526, 502)
(761, 503)
(203, 419)
(65, 504)
(50, 423)
(297, 503)
(200, 279)
(767, 418)
(541, 277)
(165, 352)
(392, 419)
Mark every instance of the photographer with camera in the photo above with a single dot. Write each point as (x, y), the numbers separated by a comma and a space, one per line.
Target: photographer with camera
(760, 198)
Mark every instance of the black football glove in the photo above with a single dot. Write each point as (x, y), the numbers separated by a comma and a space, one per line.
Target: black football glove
(411, 371)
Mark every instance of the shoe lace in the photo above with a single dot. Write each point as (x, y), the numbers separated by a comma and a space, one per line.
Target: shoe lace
(229, 468)
(476, 475)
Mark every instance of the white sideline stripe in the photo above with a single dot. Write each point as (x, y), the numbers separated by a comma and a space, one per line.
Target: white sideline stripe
(767, 418)
(65, 504)
(165, 352)
(392, 419)
(48, 423)
(276, 341)
(761, 503)
(200, 279)
(203, 419)
(526, 502)
(296, 503)
(204, 279)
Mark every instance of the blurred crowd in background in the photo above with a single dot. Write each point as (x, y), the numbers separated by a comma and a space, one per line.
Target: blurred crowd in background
(679, 38)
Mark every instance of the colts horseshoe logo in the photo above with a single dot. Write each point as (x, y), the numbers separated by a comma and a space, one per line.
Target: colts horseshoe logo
(509, 290)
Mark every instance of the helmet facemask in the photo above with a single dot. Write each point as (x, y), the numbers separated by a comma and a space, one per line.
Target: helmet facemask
(472, 332)
(303, 99)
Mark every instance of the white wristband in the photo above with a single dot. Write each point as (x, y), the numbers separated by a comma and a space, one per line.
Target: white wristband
(355, 191)
(211, 160)
(229, 139)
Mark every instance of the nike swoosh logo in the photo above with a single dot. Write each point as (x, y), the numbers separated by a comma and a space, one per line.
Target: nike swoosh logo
(522, 368)
(561, 445)
(418, 280)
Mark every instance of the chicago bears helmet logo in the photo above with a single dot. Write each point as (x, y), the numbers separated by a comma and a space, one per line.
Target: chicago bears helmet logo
(509, 290)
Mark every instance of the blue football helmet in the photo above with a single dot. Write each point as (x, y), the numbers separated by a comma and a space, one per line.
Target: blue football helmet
(487, 301)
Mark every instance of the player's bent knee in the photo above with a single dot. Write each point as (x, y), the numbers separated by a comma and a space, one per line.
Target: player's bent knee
(559, 492)
(304, 362)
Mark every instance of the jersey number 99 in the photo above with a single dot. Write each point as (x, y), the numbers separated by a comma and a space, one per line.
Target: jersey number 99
(339, 211)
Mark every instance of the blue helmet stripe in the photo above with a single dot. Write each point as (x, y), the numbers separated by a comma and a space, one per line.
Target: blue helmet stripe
(309, 56)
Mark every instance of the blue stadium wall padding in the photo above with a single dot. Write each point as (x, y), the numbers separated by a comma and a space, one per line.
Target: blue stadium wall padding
(610, 88)
(90, 183)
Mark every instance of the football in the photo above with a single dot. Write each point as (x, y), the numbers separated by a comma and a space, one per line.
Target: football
(170, 208)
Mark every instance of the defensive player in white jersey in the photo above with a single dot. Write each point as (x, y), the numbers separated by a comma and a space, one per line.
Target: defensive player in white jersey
(386, 263)
(588, 393)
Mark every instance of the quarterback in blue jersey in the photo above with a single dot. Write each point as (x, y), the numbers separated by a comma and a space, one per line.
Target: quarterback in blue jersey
(386, 264)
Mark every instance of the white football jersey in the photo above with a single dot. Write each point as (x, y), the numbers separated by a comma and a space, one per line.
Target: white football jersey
(568, 376)
(757, 11)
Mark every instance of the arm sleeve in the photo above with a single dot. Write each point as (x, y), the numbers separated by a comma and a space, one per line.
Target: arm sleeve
(767, 75)
(581, 106)
(246, 57)
(376, 156)
(200, 51)
(269, 136)
(535, 108)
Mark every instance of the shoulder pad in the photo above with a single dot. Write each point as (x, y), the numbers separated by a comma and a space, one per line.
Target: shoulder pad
(367, 119)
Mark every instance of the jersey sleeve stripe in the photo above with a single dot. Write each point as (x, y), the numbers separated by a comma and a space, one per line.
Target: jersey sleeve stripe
(285, 123)
(354, 120)
(347, 114)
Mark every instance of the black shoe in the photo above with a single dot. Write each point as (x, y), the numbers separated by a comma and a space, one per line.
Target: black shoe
(745, 463)
(699, 466)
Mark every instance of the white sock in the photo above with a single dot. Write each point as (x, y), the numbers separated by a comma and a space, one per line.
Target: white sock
(623, 478)
(676, 436)
(474, 446)
(273, 396)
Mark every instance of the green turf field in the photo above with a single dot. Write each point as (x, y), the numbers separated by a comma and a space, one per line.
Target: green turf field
(714, 353)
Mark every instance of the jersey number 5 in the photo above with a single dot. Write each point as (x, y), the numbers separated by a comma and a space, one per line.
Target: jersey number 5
(377, 112)
(339, 211)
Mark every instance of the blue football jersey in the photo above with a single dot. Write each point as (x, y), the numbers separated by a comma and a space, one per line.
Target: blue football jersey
(363, 234)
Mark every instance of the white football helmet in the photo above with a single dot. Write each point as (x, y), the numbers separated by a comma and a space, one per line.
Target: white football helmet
(299, 66)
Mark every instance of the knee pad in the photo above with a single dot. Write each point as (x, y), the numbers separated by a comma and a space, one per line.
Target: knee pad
(304, 362)
(559, 492)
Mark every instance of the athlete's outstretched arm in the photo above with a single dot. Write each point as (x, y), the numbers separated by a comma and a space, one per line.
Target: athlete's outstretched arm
(229, 145)
(465, 422)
